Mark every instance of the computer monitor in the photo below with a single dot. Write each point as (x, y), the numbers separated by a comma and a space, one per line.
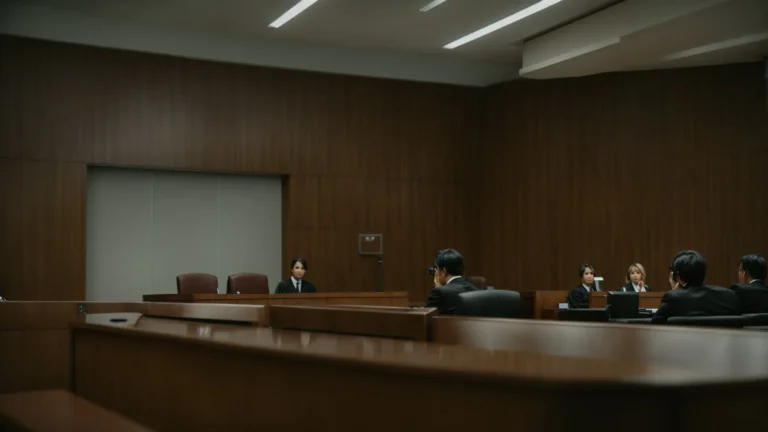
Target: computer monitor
(623, 304)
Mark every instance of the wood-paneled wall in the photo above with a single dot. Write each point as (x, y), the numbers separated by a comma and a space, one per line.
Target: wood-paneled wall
(619, 168)
(529, 179)
(361, 155)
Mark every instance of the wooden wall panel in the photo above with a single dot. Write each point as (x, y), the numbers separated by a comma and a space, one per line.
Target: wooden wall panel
(528, 179)
(11, 221)
(53, 230)
(618, 168)
(362, 155)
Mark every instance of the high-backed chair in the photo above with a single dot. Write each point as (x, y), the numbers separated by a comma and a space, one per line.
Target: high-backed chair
(491, 303)
(478, 281)
(197, 283)
(247, 283)
(728, 321)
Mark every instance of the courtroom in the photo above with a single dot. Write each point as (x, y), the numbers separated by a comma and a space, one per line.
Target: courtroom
(411, 215)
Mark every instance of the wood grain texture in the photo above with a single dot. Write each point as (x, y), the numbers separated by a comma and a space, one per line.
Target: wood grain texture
(360, 155)
(59, 410)
(621, 168)
(389, 322)
(526, 178)
(536, 373)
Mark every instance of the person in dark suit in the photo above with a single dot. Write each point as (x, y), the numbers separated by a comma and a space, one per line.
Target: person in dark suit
(751, 289)
(448, 272)
(636, 279)
(296, 283)
(689, 296)
(578, 298)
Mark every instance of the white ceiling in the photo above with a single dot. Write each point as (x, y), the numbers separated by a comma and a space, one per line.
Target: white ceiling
(388, 38)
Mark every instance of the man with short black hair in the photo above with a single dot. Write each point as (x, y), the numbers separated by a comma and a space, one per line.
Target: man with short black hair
(751, 289)
(689, 295)
(449, 281)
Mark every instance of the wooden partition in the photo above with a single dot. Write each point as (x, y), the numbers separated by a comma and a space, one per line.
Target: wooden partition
(375, 384)
(59, 410)
(540, 304)
(741, 354)
(391, 322)
(352, 298)
(396, 299)
(648, 300)
(35, 340)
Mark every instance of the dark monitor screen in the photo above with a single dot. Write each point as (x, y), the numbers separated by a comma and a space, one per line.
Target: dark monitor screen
(623, 304)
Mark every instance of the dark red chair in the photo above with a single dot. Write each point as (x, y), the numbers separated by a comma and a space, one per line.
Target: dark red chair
(197, 283)
(248, 283)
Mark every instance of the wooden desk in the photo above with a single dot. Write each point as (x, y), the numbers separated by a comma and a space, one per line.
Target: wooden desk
(380, 321)
(648, 300)
(389, 298)
(351, 382)
(534, 302)
(59, 410)
(35, 342)
(728, 354)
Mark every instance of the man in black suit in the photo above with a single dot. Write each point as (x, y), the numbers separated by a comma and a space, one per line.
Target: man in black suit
(751, 289)
(689, 295)
(449, 281)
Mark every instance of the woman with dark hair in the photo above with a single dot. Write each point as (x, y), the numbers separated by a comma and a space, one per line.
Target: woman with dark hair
(578, 298)
(296, 283)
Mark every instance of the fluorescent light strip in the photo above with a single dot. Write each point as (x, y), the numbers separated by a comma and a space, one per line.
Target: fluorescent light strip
(431, 5)
(292, 12)
(530, 10)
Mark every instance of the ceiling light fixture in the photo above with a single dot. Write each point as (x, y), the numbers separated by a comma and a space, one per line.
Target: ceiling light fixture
(292, 12)
(431, 5)
(530, 10)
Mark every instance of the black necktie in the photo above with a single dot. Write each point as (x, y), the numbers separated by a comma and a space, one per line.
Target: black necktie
(298, 286)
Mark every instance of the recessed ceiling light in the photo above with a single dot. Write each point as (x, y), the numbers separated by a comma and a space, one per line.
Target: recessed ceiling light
(292, 12)
(530, 10)
(431, 5)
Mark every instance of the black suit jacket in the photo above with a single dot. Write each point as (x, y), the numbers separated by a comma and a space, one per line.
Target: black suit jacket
(578, 298)
(697, 301)
(631, 288)
(446, 297)
(753, 297)
(287, 287)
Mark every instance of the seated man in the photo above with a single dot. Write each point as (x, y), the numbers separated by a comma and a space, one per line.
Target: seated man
(449, 281)
(689, 295)
(751, 289)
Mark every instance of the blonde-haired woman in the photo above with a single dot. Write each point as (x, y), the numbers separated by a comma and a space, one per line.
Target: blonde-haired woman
(636, 279)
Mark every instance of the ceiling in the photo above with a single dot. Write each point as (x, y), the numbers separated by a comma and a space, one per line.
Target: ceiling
(388, 38)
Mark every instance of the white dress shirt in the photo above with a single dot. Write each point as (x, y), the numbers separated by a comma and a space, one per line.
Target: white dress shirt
(296, 283)
(641, 289)
(449, 280)
(586, 287)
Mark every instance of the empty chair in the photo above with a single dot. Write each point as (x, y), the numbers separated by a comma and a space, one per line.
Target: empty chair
(727, 321)
(493, 303)
(588, 315)
(197, 283)
(248, 283)
(478, 281)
